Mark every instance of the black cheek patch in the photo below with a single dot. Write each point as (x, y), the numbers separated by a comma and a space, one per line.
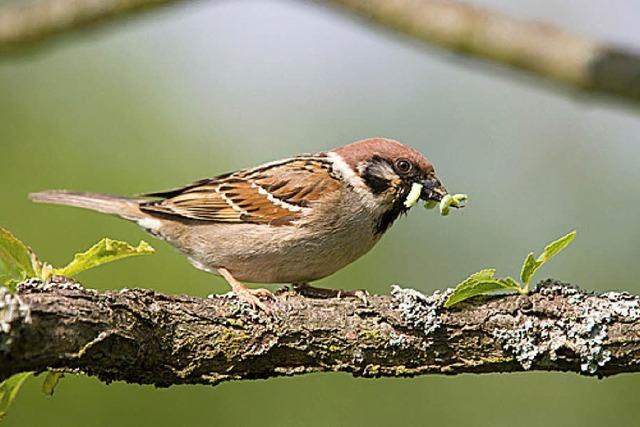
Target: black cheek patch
(376, 183)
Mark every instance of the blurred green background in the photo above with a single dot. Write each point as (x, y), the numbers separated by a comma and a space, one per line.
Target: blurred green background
(204, 88)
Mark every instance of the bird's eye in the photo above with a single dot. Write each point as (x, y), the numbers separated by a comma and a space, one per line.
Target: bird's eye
(403, 165)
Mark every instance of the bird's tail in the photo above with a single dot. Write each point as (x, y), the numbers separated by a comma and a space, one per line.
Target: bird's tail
(115, 205)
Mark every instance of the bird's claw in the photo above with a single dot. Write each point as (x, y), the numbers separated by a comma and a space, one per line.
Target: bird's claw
(253, 298)
(360, 294)
(309, 291)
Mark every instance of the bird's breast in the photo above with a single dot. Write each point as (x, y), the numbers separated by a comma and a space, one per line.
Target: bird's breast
(326, 240)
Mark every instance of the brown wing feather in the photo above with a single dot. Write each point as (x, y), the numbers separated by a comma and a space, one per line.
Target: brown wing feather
(274, 194)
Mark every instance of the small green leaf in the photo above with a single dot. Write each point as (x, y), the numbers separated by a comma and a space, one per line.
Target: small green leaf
(50, 382)
(554, 248)
(529, 267)
(510, 283)
(472, 280)
(478, 287)
(9, 389)
(485, 274)
(15, 260)
(484, 282)
(36, 264)
(105, 251)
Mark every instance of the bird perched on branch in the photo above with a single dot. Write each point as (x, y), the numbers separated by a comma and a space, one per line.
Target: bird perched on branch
(293, 220)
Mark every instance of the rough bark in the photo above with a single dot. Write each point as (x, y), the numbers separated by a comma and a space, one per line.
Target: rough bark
(144, 337)
(575, 62)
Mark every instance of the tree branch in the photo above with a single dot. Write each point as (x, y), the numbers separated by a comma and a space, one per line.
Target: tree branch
(576, 62)
(572, 61)
(143, 337)
(26, 24)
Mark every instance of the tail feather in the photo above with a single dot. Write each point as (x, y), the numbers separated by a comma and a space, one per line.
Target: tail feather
(115, 205)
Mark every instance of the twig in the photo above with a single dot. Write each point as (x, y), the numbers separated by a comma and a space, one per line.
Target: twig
(143, 337)
(542, 50)
(24, 25)
(572, 61)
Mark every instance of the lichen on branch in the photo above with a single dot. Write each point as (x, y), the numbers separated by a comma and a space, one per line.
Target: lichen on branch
(144, 337)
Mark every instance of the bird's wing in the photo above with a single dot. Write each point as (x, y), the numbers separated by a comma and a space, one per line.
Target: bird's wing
(276, 193)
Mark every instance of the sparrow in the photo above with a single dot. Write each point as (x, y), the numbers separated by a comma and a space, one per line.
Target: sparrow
(294, 220)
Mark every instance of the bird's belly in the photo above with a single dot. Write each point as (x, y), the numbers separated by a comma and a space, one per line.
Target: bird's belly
(276, 254)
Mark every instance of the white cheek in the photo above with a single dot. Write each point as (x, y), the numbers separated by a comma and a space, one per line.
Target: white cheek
(340, 166)
(369, 200)
(151, 224)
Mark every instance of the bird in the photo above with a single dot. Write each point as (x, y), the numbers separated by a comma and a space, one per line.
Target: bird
(294, 220)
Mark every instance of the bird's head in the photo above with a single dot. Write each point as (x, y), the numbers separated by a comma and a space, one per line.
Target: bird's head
(390, 170)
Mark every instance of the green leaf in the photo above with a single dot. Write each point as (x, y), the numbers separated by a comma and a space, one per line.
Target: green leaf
(105, 251)
(554, 248)
(50, 382)
(474, 287)
(15, 260)
(472, 280)
(529, 267)
(510, 283)
(484, 281)
(36, 264)
(485, 274)
(9, 389)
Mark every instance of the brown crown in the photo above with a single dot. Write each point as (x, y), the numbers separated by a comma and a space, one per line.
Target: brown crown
(388, 149)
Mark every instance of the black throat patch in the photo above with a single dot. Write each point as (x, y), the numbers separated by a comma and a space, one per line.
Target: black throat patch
(397, 208)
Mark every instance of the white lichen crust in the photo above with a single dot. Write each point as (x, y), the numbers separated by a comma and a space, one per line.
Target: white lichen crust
(419, 310)
(12, 310)
(555, 325)
(583, 330)
(60, 282)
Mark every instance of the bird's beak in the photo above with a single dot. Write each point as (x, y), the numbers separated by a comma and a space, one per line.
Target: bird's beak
(432, 189)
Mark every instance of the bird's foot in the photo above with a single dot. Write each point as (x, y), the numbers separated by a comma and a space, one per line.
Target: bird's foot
(253, 297)
(309, 291)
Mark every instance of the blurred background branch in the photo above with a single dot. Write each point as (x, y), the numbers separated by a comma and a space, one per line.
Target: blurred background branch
(24, 25)
(144, 337)
(542, 50)
(575, 62)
